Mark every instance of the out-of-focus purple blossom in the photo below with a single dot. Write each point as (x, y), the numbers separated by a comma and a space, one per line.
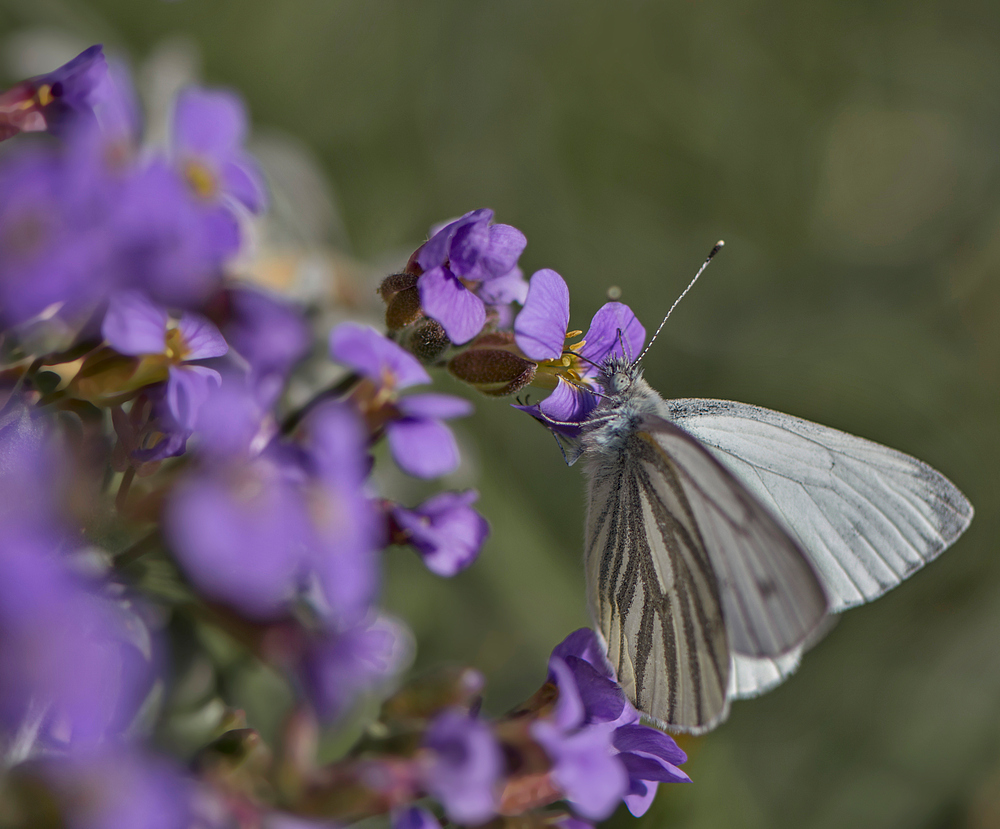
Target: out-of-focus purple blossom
(420, 442)
(376, 357)
(168, 242)
(69, 657)
(446, 531)
(58, 100)
(540, 332)
(234, 421)
(413, 817)
(239, 533)
(64, 650)
(341, 665)
(584, 767)
(270, 334)
(121, 789)
(209, 129)
(590, 702)
(255, 531)
(463, 767)
(55, 253)
(468, 250)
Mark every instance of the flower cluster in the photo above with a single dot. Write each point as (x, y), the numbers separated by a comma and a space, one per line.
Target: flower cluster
(158, 485)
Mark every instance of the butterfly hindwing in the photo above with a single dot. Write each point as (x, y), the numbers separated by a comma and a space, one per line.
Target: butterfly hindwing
(653, 592)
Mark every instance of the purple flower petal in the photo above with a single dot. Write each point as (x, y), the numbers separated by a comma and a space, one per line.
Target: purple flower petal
(121, 788)
(238, 542)
(134, 325)
(371, 354)
(336, 444)
(602, 340)
(436, 250)
(434, 406)
(232, 420)
(511, 287)
(640, 796)
(208, 123)
(569, 712)
(188, 387)
(243, 180)
(271, 334)
(583, 644)
(506, 244)
(540, 328)
(467, 247)
(445, 530)
(649, 767)
(423, 448)
(646, 740)
(585, 768)
(201, 338)
(445, 299)
(341, 666)
(603, 699)
(464, 768)
(413, 817)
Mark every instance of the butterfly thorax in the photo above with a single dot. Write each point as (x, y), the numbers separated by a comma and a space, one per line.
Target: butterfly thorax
(626, 399)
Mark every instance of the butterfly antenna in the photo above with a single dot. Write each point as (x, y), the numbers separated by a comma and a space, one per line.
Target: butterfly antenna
(701, 270)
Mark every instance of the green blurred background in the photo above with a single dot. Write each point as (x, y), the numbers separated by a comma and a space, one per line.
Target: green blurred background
(847, 153)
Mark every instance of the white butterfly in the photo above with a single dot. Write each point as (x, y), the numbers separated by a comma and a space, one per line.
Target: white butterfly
(720, 535)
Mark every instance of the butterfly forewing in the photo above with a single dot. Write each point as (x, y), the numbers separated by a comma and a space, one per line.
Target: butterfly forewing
(867, 515)
(652, 589)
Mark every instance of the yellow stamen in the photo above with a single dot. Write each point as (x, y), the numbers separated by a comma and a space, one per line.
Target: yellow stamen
(44, 95)
(201, 179)
(176, 349)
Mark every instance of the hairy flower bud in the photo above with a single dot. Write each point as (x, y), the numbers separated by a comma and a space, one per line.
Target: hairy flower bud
(491, 366)
(426, 340)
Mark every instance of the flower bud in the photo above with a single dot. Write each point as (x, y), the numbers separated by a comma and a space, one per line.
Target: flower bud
(491, 366)
(426, 340)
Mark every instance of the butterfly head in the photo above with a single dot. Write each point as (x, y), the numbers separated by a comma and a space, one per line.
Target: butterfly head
(619, 375)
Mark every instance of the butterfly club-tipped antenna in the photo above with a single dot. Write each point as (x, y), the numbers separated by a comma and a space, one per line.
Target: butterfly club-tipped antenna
(718, 246)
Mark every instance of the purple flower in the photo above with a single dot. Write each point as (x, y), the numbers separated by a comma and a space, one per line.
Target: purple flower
(340, 666)
(270, 333)
(209, 129)
(446, 531)
(463, 767)
(591, 702)
(137, 327)
(418, 439)
(540, 332)
(256, 530)
(468, 250)
(58, 100)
